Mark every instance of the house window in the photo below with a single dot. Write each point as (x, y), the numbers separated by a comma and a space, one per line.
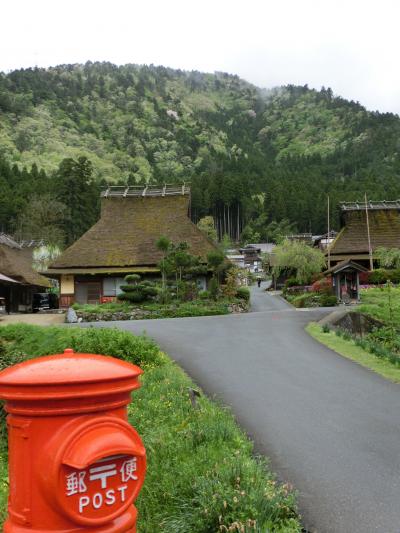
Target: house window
(111, 286)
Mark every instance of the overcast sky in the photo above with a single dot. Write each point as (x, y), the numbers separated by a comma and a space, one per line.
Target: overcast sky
(352, 46)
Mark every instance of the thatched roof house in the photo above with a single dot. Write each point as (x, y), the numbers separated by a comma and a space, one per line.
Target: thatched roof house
(351, 242)
(16, 264)
(124, 241)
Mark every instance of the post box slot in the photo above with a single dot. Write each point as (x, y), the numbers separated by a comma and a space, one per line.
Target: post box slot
(101, 442)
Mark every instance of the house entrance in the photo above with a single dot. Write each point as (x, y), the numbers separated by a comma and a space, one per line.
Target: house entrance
(88, 292)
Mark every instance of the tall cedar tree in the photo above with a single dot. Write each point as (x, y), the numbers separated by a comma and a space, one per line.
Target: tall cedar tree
(77, 189)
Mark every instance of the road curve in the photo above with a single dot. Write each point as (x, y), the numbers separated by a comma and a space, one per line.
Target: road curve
(330, 426)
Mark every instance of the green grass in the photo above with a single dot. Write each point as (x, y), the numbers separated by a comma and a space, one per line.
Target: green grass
(349, 349)
(375, 303)
(202, 476)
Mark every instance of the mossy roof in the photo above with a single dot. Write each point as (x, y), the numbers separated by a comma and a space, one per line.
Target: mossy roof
(16, 263)
(127, 232)
(384, 225)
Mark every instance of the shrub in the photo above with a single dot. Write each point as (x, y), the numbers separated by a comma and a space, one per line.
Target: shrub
(291, 282)
(378, 276)
(137, 292)
(164, 296)
(305, 300)
(243, 293)
(132, 296)
(204, 295)
(325, 328)
(323, 286)
(214, 289)
(327, 300)
(128, 288)
(387, 337)
(132, 278)
(395, 276)
(34, 341)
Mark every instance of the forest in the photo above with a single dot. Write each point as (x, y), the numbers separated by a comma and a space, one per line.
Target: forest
(256, 159)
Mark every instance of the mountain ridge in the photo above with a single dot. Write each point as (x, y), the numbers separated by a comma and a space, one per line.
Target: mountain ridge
(275, 153)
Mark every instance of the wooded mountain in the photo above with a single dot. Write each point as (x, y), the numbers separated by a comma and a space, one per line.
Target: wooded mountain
(254, 157)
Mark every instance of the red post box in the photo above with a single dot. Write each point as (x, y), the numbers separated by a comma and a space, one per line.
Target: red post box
(75, 463)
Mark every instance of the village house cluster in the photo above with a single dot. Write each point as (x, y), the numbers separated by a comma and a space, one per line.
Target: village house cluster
(123, 242)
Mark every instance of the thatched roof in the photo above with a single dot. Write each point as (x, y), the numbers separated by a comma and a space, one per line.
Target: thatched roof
(16, 264)
(126, 234)
(384, 226)
(7, 280)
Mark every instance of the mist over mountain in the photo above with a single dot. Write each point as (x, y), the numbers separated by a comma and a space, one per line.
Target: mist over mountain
(254, 156)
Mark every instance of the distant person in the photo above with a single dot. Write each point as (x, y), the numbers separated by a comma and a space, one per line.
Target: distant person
(259, 282)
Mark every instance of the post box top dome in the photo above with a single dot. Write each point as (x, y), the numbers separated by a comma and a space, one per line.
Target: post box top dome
(68, 368)
(78, 381)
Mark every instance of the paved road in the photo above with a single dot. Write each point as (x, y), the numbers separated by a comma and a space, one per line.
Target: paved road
(330, 427)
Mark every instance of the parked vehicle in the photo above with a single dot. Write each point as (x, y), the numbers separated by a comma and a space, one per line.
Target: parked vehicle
(44, 300)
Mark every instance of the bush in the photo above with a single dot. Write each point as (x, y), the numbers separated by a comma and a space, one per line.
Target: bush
(378, 276)
(204, 295)
(132, 277)
(325, 328)
(387, 337)
(291, 282)
(307, 299)
(327, 300)
(323, 286)
(134, 296)
(214, 289)
(395, 276)
(36, 341)
(164, 296)
(137, 292)
(243, 293)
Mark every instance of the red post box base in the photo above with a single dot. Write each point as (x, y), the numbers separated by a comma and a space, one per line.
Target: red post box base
(122, 524)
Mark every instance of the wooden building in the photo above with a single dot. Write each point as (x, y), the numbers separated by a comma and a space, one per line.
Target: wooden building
(124, 240)
(19, 281)
(352, 243)
(346, 280)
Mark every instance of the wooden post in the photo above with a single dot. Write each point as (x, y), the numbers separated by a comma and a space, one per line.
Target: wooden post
(328, 239)
(371, 262)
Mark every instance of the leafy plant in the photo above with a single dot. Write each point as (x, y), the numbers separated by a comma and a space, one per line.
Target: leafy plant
(300, 258)
(243, 293)
(136, 292)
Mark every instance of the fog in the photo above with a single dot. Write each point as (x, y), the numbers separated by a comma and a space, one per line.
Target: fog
(351, 46)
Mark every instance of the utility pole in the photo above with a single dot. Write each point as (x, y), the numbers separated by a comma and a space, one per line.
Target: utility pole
(328, 239)
(371, 262)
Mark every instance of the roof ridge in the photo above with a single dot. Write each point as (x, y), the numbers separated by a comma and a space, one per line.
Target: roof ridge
(378, 204)
(123, 191)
